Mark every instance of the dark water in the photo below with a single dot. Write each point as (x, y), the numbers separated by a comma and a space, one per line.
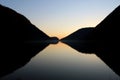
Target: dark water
(61, 62)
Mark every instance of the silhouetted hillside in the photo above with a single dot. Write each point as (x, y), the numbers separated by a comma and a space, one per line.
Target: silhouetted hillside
(53, 40)
(81, 34)
(104, 40)
(107, 32)
(82, 38)
(19, 40)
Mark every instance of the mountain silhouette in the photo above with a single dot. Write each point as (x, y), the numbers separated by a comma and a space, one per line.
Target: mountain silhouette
(20, 40)
(53, 40)
(103, 40)
(107, 32)
(82, 38)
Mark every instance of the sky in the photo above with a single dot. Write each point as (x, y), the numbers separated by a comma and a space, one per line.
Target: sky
(61, 17)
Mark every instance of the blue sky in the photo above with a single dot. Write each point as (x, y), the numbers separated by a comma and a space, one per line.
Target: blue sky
(62, 17)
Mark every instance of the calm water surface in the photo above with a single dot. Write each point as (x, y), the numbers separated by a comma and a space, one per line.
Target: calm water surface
(61, 62)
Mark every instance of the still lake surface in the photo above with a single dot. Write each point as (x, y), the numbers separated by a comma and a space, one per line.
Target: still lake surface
(61, 62)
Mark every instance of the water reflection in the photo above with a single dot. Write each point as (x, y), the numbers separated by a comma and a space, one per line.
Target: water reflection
(107, 54)
(9, 65)
(61, 62)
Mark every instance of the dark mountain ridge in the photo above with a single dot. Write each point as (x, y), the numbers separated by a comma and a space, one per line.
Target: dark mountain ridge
(82, 38)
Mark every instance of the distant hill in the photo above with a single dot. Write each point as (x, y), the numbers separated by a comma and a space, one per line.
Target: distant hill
(79, 35)
(82, 38)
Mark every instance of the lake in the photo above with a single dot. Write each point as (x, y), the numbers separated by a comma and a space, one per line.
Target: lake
(61, 62)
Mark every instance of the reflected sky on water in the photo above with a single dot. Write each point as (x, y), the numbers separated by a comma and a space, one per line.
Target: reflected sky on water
(61, 62)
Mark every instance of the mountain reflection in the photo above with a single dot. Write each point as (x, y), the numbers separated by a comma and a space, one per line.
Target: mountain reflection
(14, 63)
(105, 54)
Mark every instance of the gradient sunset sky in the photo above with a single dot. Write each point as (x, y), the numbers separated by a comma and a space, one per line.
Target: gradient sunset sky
(62, 17)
